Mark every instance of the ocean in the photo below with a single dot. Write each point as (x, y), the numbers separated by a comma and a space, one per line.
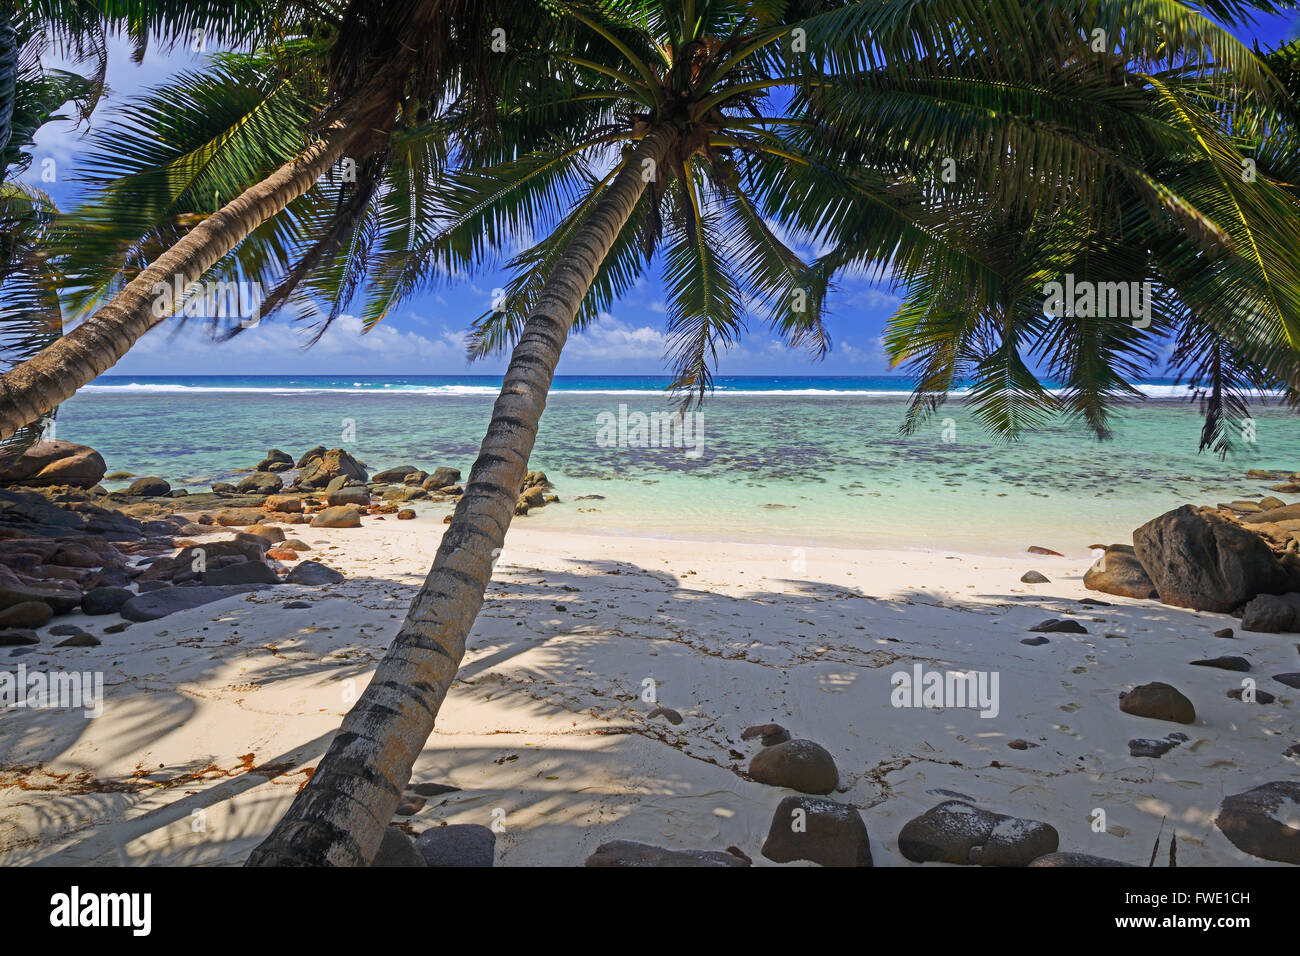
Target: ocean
(802, 461)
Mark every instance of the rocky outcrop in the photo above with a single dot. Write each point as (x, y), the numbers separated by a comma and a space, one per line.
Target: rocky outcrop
(818, 830)
(1199, 559)
(962, 833)
(56, 463)
(1119, 572)
(275, 460)
(1272, 614)
(260, 483)
(318, 471)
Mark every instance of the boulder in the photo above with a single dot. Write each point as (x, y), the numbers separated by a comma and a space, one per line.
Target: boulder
(818, 830)
(310, 454)
(160, 603)
(458, 844)
(313, 574)
(441, 478)
(18, 637)
(239, 517)
(318, 472)
(798, 764)
(275, 460)
(354, 495)
(289, 504)
(105, 600)
(223, 488)
(150, 486)
(244, 572)
(1159, 701)
(1199, 559)
(397, 849)
(270, 532)
(959, 832)
(406, 514)
(56, 463)
(1118, 571)
(1272, 614)
(1263, 821)
(260, 483)
(771, 734)
(629, 853)
(345, 516)
(397, 474)
(61, 598)
(26, 615)
(1034, 577)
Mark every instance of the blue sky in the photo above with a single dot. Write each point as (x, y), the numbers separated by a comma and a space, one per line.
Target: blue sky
(425, 336)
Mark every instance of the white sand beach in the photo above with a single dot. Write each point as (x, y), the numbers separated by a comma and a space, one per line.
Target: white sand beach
(213, 717)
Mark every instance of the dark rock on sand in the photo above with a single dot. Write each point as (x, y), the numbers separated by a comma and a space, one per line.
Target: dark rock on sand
(772, 734)
(1034, 577)
(1224, 663)
(1149, 747)
(1055, 626)
(1262, 821)
(26, 615)
(397, 849)
(1261, 696)
(344, 516)
(667, 713)
(1119, 572)
(1033, 641)
(798, 764)
(84, 639)
(1159, 701)
(1199, 559)
(1225, 632)
(105, 600)
(1272, 614)
(1289, 679)
(15, 637)
(959, 832)
(458, 844)
(61, 598)
(313, 574)
(818, 830)
(631, 853)
(244, 572)
(160, 603)
(353, 495)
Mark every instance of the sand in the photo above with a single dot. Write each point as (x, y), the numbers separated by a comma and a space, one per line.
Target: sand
(213, 716)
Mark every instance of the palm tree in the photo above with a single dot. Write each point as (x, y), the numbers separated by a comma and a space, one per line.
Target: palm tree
(370, 71)
(719, 110)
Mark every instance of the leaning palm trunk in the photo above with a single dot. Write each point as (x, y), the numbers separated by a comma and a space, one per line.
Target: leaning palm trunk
(339, 817)
(33, 388)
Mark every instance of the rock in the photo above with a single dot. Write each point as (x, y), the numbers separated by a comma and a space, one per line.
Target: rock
(316, 452)
(1289, 679)
(1035, 549)
(798, 764)
(959, 832)
(1148, 747)
(149, 487)
(105, 600)
(1055, 626)
(318, 472)
(397, 849)
(1261, 696)
(818, 830)
(406, 514)
(61, 598)
(1223, 632)
(222, 488)
(667, 713)
(1118, 571)
(239, 517)
(1199, 559)
(84, 639)
(397, 474)
(17, 637)
(1020, 744)
(160, 603)
(269, 532)
(1034, 577)
(1263, 821)
(632, 854)
(533, 497)
(1076, 859)
(296, 544)
(275, 460)
(432, 789)
(313, 573)
(47, 463)
(1158, 701)
(354, 495)
(245, 572)
(289, 504)
(1268, 503)
(441, 478)
(1033, 641)
(1224, 663)
(410, 805)
(458, 844)
(395, 493)
(26, 615)
(260, 483)
(282, 554)
(344, 516)
(772, 734)
(1272, 614)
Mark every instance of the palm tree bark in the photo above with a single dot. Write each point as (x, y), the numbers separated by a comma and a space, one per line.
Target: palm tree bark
(38, 385)
(339, 817)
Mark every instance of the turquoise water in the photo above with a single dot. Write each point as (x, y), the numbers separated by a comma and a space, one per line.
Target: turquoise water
(800, 461)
